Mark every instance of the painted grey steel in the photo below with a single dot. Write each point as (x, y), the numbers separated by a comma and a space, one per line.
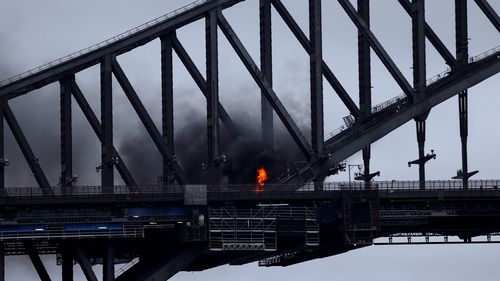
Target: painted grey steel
(37, 262)
(489, 12)
(96, 126)
(212, 69)
(167, 101)
(147, 121)
(365, 81)
(431, 35)
(265, 86)
(316, 78)
(108, 264)
(30, 157)
(123, 43)
(66, 133)
(84, 262)
(202, 84)
(377, 48)
(266, 66)
(107, 161)
(304, 41)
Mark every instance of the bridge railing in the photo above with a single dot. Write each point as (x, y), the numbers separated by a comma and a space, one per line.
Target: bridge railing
(104, 43)
(402, 98)
(178, 191)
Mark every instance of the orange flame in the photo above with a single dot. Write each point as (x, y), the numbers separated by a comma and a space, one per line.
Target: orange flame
(261, 179)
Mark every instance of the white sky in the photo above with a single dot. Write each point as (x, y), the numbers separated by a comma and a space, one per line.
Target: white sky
(34, 32)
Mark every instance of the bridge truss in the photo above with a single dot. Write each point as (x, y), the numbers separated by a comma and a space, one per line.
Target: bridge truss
(323, 153)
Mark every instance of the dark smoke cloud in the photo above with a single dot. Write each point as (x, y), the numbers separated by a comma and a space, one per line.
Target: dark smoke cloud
(243, 155)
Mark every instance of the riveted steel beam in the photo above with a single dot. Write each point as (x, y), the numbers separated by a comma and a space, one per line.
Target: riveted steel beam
(96, 126)
(84, 263)
(266, 66)
(147, 121)
(432, 36)
(418, 42)
(365, 80)
(66, 133)
(489, 12)
(120, 46)
(377, 48)
(316, 78)
(462, 49)
(167, 101)
(212, 69)
(107, 161)
(327, 72)
(265, 86)
(21, 140)
(37, 262)
(108, 263)
(3, 160)
(202, 84)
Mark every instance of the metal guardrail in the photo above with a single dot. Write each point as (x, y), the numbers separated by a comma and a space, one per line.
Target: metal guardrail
(178, 191)
(401, 98)
(104, 43)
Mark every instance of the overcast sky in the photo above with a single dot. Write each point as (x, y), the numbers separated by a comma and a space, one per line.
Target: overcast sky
(34, 32)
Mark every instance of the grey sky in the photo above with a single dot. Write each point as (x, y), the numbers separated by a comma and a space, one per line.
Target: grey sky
(34, 32)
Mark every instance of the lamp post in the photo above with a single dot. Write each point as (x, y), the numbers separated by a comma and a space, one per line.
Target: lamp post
(349, 171)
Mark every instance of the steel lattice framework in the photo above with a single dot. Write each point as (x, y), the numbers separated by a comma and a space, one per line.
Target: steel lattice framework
(323, 153)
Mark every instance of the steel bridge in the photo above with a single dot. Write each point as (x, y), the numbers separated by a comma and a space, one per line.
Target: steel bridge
(182, 225)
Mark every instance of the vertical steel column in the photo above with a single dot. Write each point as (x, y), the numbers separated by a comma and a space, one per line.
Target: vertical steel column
(167, 100)
(67, 265)
(212, 94)
(2, 262)
(462, 47)
(418, 35)
(66, 134)
(3, 162)
(108, 264)
(107, 177)
(266, 66)
(419, 77)
(420, 122)
(316, 59)
(365, 87)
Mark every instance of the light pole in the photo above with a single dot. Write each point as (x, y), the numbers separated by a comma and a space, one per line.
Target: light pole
(349, 171)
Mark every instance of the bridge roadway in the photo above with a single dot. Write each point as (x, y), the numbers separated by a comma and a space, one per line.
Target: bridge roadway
(166, 229)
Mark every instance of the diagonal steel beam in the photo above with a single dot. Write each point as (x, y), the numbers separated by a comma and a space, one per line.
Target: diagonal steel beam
(202, 84)
(147, 121)
(84, 262)
(96, 126)
(265, 86)
(431, 35)
(37, 262)
(377, 48)
(327, 72)
(123, 44)
(489, 12)
(21, 140)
